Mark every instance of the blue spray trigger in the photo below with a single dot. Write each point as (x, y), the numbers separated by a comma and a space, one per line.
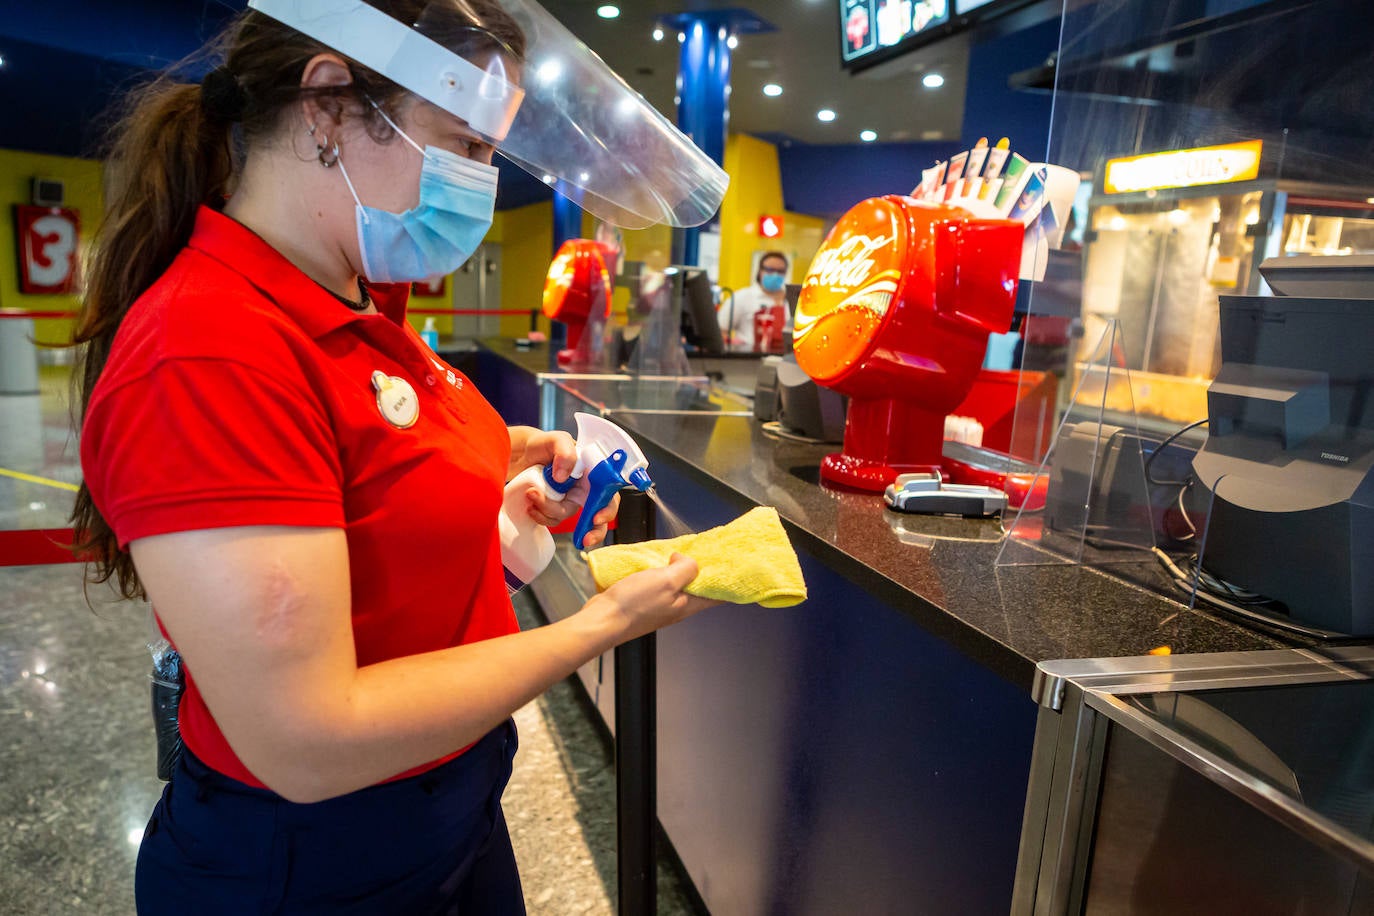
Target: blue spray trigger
(604, 481)
(557, 486)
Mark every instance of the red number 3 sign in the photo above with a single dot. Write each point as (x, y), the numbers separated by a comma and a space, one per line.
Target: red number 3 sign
(49, 240)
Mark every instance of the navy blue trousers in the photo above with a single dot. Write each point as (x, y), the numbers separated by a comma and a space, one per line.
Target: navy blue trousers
(434, 843)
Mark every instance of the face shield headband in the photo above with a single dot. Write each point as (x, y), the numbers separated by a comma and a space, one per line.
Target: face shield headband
(570, 121)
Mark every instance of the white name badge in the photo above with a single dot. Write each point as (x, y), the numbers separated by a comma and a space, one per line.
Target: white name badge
(396, 399)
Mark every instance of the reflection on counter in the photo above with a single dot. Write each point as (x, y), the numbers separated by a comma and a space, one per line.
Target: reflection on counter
(628, 394)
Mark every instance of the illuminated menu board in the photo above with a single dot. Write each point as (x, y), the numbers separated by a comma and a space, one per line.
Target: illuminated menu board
(871, 25)
(874, 30)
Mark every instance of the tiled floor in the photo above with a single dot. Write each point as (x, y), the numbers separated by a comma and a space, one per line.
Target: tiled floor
(36, 441)
(76, 741)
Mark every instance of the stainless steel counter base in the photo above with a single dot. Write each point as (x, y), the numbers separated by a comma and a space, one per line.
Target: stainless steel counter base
(1231, 782)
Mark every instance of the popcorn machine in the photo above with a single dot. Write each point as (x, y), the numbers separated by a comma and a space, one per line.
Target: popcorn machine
(1169, 233)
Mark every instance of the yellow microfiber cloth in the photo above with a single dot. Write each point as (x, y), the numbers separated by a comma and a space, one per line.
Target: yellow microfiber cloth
(749, 561)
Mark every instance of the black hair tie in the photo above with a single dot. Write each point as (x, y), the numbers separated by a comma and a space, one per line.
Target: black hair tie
(222, 96)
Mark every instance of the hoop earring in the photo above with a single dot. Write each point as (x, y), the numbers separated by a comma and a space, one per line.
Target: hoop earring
(331, 151)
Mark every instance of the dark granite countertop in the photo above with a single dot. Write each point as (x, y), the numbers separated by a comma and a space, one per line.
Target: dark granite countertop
(941, 571)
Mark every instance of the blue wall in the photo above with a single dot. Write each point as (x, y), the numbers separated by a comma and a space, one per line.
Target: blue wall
(828, 180)
(992, 109)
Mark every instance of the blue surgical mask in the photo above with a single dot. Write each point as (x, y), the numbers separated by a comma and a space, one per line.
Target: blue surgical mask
(772, 283)
(434, 238)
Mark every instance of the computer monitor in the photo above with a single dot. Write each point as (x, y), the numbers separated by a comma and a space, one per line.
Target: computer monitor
(1328, 276)
(1320, 346)
(805, 408)
(698, 308)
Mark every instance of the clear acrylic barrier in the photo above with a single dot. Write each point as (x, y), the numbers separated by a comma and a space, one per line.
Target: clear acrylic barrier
(1153, 242)
(609, 394)
(1089, 503)
(650, 341)
(1211, 137)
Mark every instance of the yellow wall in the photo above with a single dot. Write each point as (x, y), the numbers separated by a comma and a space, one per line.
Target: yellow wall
(83, 179)
(756, 190)
(525, 235)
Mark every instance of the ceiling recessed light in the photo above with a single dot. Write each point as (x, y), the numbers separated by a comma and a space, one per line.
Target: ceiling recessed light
(608, 11)
(932, 81)
(658, 34)
(732, 42)
(825, 114)
(772, 90)
(868, 136)
(681, 37)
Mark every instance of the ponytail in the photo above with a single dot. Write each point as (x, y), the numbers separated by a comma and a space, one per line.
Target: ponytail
(168, 157)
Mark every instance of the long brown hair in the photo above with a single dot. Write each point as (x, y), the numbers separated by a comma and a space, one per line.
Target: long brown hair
(177, 146)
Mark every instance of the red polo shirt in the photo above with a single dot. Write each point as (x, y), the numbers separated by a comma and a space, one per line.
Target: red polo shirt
(240, 392)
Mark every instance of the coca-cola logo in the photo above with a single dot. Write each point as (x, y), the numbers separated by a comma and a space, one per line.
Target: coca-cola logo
(847, 265)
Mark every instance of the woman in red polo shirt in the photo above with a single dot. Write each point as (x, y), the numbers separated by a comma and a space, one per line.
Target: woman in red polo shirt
(305, 493)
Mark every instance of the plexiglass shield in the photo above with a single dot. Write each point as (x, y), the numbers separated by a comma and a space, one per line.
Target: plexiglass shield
(557, 111)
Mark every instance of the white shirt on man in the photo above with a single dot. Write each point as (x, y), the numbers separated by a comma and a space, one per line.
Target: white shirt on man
(737, 325)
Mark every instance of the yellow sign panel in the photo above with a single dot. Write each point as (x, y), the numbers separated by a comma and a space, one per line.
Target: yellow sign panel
(1184, 168)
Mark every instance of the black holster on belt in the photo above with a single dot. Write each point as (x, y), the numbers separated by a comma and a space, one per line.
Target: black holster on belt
(168, 684)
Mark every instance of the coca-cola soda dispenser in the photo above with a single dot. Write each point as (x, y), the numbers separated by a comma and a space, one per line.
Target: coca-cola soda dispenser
(577, 292)
(895, 312)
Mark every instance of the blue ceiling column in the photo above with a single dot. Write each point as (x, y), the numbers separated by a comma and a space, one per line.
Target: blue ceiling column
(703, 103)
(703, 91)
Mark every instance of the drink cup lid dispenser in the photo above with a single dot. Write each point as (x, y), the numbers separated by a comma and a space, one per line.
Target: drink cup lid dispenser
(895, 312)
(577, 292)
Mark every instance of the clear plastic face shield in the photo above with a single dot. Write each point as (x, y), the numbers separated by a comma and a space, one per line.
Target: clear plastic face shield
(559, 113)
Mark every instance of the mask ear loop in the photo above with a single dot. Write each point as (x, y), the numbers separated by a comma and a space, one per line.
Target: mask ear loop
(392, 124)
(338, 160)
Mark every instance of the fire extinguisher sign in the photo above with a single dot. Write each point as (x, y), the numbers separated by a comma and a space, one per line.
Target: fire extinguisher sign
(49, 244)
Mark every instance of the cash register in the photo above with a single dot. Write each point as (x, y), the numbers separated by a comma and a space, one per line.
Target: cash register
(1286, 469)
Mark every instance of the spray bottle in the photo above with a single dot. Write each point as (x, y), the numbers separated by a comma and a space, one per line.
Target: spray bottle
(609, 459)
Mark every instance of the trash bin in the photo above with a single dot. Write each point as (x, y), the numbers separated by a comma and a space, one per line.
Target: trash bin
(18, 356)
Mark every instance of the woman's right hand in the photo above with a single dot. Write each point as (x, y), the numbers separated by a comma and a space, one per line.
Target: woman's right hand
(651, 598)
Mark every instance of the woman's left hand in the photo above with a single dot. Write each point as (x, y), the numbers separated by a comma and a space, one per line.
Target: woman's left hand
(535, 447)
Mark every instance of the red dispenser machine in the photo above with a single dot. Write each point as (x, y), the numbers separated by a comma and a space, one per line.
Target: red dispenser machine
(895, 312)
(577, 292)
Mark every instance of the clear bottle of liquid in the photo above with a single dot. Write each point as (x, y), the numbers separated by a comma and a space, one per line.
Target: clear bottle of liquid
(430, 334)
(526, 546)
